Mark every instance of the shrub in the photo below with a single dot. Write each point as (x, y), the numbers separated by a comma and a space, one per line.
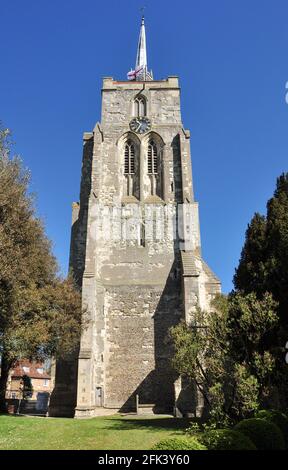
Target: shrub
(226, 439)
(264, 434)
(179, 443)
(278, 418)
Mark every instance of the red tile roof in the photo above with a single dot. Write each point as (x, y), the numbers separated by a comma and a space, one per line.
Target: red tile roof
(18, 370)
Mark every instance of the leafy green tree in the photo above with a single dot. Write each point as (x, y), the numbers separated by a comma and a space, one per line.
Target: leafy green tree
(223, 353)
(40, 314)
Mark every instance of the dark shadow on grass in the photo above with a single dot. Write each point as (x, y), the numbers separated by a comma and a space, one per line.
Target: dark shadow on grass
(153, 424)
(23, 415)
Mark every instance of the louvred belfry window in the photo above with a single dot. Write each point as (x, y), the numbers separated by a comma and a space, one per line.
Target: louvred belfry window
(129, 158)
(152, 158)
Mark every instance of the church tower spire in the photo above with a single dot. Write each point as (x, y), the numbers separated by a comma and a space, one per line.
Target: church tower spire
(141, 59)
(141, 72)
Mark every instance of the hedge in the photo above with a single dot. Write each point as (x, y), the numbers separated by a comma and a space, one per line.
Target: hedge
(179, 443)
(278, 418)
(264, 434)
(226, 439)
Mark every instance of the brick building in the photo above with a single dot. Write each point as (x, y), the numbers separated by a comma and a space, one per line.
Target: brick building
(38, 375)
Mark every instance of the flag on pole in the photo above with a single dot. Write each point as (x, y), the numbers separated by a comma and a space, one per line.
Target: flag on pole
(133, 73)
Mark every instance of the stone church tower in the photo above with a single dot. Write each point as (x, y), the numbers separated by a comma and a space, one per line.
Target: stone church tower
(135, 249)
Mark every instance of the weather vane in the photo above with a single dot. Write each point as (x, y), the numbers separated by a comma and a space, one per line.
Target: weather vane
(142, 10)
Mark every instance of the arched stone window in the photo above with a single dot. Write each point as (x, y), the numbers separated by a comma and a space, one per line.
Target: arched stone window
(154, 166)
(129, 158)
(140, 107)
(129, 155)
(152, 158)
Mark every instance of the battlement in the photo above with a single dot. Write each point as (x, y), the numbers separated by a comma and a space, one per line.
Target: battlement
(171, 82)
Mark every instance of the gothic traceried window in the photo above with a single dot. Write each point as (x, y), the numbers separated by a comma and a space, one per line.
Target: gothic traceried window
(130, 153)
(140, 106)
(129, 158)
(154, 166)
(152, 158)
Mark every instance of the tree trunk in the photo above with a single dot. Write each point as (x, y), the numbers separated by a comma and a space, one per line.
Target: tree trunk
(5, 368)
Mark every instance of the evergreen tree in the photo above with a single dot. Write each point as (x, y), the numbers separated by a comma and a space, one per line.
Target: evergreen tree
(250, 275)
(223, 352)
(263, 265)
(277, 247)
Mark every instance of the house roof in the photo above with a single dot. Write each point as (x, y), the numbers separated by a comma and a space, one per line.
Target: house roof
(33, 371)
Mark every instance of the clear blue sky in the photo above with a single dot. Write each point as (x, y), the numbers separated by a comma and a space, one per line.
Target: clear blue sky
(231, 57)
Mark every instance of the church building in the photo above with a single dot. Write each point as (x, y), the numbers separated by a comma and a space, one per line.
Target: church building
(135, 250)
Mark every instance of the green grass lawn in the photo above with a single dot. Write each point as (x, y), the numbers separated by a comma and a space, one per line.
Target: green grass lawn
(102, 433)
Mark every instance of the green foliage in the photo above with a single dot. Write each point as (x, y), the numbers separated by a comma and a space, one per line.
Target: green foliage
(188, 345)
(278, 418)
(277, 246)
(40, 314)
(226, 439)
(264, 258)
(219, 414)
(194, 428)
(263, 267)
(249, 320)
(222, 352)
(179, 443)
(246, 392)
(250, 276)
(264, 434)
